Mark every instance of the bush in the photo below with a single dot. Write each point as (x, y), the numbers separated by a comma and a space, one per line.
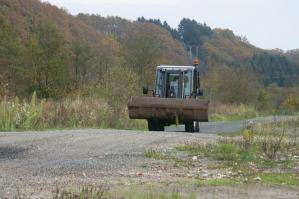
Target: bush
(16, 115)
(226, 152)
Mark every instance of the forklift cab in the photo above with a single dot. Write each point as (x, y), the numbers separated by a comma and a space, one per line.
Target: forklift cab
(176, 82)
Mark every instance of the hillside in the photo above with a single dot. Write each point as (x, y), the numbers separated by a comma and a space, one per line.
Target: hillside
(293, 55)
(222, 48)
(47, 50)
(56, 53)
(226, 48)
(126, 32)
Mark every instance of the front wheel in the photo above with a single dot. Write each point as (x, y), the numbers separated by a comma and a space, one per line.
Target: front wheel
(192, 127)
(155, 125)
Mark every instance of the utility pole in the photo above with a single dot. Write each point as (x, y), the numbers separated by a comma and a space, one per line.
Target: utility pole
(193, 51)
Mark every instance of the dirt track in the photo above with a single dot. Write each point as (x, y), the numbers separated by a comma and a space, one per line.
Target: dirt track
(37, 162)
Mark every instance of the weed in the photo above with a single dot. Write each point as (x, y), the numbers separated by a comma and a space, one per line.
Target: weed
(226, 152)
(280, 178)
(154, 154)
(219, 182)
(77, 112)
(84, 193)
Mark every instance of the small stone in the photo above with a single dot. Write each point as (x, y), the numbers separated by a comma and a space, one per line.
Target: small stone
(257, 179)
(205, 175)
(194, 158)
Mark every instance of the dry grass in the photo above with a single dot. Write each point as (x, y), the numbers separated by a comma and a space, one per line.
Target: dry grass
(228, 112)
(87, 112)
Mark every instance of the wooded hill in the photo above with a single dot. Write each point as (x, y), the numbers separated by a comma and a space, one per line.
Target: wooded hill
(47, 50)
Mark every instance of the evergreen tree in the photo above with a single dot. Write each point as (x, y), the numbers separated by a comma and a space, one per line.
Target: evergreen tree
(192, 32)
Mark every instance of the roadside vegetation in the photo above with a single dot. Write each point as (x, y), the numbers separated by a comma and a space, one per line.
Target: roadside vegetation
(78, 112)
(265, 153)
(100, 193)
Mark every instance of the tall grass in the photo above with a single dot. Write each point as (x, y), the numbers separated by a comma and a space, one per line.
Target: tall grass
(88, 112)
(229, 112)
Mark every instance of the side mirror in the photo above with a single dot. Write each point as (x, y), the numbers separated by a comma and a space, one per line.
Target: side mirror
(145, 90)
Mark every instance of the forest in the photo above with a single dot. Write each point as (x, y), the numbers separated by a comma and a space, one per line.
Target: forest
(94, 62)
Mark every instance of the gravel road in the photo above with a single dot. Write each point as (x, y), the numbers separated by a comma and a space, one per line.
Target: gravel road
(37, 162)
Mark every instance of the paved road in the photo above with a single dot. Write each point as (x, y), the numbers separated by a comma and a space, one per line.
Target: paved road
(38, 161)
(228, 127)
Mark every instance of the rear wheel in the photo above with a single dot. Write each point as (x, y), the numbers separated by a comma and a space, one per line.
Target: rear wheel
(155, 125)
(196, 126)
(151, 125)
(192, 127)
(189, 127)
(160, 126)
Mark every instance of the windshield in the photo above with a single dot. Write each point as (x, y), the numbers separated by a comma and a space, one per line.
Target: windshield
(187, 83)
(160, 83)
(173, 83)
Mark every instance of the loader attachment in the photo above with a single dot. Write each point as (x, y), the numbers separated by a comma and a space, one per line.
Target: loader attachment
(170, 110)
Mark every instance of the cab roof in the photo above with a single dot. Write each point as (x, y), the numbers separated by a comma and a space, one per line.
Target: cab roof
(167, 67)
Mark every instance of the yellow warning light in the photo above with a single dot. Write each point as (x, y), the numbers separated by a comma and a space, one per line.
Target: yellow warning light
(196, 62)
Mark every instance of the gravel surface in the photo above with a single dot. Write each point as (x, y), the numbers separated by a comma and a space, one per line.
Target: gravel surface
(38, 162)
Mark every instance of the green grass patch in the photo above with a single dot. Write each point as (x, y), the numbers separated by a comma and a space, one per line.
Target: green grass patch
(233, 112)
(280, 178)
(234, 155)
(158, 155)
(220, 182)
(154, 154)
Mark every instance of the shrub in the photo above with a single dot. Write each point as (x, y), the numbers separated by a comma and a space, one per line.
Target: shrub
(84, 193)
(226, 152)
(271, 138)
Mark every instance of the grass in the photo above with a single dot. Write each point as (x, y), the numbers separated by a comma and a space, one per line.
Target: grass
(159, 155)
(226, 112)
(133, 193)
(289, 179)
(84, 112)
(219, 182)
(84, 193)
(280, 179)
(154, 154)
(157, 190)
(269, 151)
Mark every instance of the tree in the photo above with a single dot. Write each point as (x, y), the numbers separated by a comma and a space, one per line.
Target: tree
(193, 33)
(82, 61)
(275, 68)
(48, 60)
(11, 56)
(231, 85)
(141, 55)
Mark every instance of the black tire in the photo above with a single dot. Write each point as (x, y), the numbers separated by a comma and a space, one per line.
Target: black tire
(155, 125)
(160, 126)
(189, 127)
(151, 125)
(197, 127)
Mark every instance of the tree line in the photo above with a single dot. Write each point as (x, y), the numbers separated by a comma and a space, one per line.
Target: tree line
(86, 54)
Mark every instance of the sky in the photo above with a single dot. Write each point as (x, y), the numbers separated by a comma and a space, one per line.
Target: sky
(267, 24)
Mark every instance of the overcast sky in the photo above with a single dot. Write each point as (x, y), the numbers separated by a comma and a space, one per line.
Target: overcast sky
(266, 23)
